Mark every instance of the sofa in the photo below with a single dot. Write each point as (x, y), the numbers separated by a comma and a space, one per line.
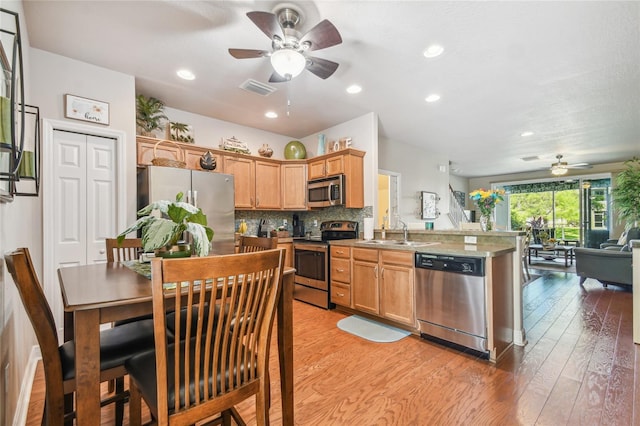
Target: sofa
(608, 266)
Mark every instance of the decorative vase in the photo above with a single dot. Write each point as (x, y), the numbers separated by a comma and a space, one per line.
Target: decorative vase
(208, 161)
(485, 223)
(265, 151)
(174, 251)
(321, 147)
(295, 150)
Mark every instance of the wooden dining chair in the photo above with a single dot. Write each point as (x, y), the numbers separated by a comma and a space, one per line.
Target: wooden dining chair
(128, 249)
(116, 345)
(224, 361)
(251, 244)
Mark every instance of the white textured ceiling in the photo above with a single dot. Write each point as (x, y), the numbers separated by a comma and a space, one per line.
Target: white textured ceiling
(568, 71)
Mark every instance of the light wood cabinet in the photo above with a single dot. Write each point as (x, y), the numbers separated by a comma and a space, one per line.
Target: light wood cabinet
(382, 284)
(243, 171)
(364, 283)
(294, 186)
(340, 262)
(190, 154)
(267, 181)
(397, 286)
(348, 162)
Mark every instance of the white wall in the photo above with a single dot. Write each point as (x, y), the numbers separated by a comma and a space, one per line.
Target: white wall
(20, 226)
(419, 169)
(208, 132)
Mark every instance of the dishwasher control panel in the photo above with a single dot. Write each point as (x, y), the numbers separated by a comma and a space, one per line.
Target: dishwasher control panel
(456, 264)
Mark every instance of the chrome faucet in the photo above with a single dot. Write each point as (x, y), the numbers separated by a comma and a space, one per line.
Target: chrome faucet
(404, 229)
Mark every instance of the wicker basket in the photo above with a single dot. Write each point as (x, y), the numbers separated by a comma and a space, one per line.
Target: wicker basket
(169, 162)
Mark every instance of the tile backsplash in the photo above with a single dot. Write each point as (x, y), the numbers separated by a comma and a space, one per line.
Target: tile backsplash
(276, 219)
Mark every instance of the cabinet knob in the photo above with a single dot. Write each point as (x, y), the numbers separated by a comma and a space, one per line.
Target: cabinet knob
(102, 251)
(340, 294)
(340, 270)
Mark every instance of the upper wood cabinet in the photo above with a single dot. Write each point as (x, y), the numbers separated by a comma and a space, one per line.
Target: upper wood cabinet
(294, 186)
(267, 185)
(348, 162)
(243, 171)
(264, 183)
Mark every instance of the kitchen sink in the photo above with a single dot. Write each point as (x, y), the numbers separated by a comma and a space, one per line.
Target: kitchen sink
(399, 243)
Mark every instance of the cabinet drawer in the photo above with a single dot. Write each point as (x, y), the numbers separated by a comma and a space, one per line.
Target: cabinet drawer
(405, 258)
(340, 294)
(343, 252)
(341, 270)
(369, 255)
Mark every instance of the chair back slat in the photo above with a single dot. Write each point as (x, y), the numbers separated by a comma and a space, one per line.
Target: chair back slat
(128, 249)
(253, 244)
(224, 306)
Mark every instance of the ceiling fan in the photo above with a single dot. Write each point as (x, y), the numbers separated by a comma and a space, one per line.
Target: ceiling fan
(289, 47)
(560, 167)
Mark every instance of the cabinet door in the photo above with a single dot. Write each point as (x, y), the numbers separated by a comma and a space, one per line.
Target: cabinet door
(317, 169)
(396, 293)
(335, 165)
(294, 186)
(194, 155)
(364, 287)
(146, 152)
(267, 185)
(243, 171)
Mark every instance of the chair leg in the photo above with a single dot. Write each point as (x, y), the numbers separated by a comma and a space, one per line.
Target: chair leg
(135, 406)
(227, 415)
(68, 409)
(111, 386)
(262, 407)
(119, 384)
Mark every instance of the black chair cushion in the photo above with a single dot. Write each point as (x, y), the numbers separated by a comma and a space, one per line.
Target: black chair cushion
(128, 320)
(142, 370)
(171, 321)
(117, 344)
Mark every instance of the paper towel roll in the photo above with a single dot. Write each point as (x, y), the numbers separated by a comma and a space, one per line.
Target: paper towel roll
(368, 228)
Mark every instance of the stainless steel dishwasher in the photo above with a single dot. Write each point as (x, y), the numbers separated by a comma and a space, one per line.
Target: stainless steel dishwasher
(450, 300)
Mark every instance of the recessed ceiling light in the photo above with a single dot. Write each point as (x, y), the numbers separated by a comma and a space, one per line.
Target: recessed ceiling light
(271, 114)
(433, 51)
(186, 74)
(353, 89)
(525, 134)
(432, 98)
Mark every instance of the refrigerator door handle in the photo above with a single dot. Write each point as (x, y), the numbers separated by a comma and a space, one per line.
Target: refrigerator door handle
(189, 197)
(195, 198)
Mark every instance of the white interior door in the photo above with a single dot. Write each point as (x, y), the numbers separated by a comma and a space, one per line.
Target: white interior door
(84, 197)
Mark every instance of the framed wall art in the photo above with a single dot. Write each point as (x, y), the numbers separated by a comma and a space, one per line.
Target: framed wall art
(85, 109)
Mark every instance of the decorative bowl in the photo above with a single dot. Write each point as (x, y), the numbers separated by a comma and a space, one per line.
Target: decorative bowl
(295, 150)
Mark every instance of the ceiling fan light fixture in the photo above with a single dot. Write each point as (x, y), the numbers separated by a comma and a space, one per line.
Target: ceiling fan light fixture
(288, 63)
(559, 169)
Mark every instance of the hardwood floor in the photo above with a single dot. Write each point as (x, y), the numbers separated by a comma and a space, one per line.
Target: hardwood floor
(579, 367)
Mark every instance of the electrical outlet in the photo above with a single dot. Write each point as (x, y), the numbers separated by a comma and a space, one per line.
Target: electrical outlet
(315, 222)
(284, 223)
(468, 239)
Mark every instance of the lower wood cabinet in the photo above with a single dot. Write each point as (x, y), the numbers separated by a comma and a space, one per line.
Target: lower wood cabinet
(340, 261)
(382, 284)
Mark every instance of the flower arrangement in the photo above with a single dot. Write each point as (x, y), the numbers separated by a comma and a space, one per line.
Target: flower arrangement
(177, 217)
(486, 201)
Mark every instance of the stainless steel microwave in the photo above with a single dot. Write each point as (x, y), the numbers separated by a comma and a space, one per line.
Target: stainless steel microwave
(326, 192)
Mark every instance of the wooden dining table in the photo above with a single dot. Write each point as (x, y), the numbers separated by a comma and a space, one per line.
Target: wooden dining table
(103, 293)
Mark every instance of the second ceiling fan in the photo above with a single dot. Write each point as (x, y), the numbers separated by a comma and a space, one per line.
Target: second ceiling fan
(561, 167)
(289, 47)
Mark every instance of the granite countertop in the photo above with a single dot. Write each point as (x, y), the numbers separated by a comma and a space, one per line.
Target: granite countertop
(446, 248)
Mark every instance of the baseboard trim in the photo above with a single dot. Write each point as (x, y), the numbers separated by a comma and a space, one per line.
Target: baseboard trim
(20, 417)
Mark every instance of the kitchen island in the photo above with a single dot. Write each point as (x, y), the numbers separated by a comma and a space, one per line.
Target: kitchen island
(377, 278)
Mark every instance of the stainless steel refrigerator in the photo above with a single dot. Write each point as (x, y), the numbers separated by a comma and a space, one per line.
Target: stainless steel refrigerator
(212, 192)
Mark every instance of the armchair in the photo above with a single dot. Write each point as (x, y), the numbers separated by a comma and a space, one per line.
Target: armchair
(627, 235)
(606, 266)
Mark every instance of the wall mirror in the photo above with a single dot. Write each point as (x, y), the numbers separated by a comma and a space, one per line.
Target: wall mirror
(11, 98)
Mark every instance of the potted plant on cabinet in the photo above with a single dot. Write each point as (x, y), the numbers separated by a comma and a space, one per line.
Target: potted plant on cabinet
(149, 115)
(162, 234)
(626, 194)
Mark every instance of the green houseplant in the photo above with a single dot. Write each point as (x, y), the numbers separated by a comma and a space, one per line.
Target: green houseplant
(160, 231)
(149, 115)
(626, 194)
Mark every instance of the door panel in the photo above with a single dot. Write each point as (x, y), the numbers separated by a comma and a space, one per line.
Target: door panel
(101, 196)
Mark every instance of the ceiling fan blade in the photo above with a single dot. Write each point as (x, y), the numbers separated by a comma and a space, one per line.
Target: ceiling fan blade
(322, 36)
(323, 68)
(268, 24)
(248, 53)
(277, 78)
(580, 166)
